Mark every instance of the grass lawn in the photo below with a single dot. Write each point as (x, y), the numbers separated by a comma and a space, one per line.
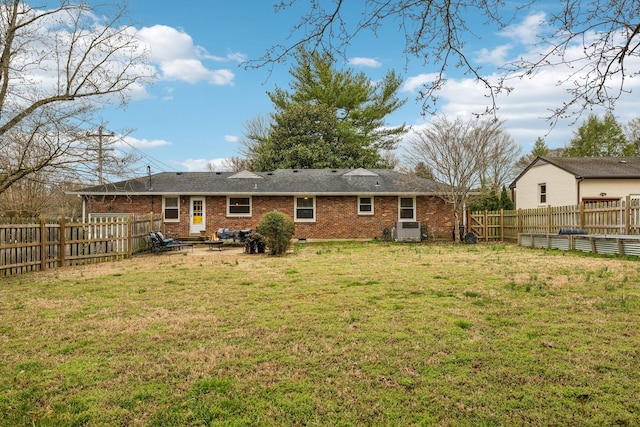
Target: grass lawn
(331, 334)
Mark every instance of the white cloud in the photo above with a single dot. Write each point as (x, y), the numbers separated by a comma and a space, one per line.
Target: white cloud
(415, 82)
(497, 56)
(526, 110)
(527, 32)
(180, 59)
(364, 62)
(167, 44)
(193, 71)
(231, 138)
(220, 165)
(129, 141)
(221, 77)
(230, 57)
(200, 165)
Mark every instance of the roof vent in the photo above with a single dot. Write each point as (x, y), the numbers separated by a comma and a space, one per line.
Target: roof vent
(245, 174)
(622, 161)
(360, 172)
(178, 173)
(295, 170)
(218, 173)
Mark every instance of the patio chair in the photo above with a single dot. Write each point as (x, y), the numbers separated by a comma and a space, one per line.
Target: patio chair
(160, 244)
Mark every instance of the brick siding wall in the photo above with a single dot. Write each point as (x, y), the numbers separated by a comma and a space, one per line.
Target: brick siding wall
(336, 216)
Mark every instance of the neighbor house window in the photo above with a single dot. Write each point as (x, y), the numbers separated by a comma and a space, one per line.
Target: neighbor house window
(305, 209)
(407, 209)
(542, 193)
(239, 206)
(171, 209)
(365, 205)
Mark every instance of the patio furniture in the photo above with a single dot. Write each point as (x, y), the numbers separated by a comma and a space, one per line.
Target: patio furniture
(160, 244)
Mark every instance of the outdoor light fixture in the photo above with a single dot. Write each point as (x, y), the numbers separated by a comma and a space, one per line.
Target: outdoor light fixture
(603, 194)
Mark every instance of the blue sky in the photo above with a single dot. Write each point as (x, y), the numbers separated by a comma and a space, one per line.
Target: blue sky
(194, 113)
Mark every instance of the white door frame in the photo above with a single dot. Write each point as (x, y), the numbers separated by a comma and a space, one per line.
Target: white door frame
(197, 223)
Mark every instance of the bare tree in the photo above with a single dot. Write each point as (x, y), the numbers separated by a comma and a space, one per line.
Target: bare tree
(256, 132)
(40, 194)
(459, 154)
(500, 160)
(632, 130)
(57, 67)
(231, 164)
(606, 32)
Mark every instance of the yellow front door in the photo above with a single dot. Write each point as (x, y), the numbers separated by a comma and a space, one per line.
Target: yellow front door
(197, 215)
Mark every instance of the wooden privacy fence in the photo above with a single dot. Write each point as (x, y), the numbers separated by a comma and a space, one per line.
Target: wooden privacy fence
(618, 218)
(42, 244)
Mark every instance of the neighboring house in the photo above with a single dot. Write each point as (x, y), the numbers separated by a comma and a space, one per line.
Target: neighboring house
(324, 203)
(564, 181)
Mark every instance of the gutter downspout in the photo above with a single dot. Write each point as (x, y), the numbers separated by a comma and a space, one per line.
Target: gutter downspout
(580, 179)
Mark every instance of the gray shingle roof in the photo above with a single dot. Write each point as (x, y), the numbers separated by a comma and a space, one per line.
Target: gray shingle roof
(591, 167)
(279, 182)
(598, 167)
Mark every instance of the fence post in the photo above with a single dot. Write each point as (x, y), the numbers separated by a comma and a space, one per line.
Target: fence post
(43, 242)
(582, 216)
(467, 219)
(62, 240)
(502, 225)
(129, 236)
(627, 215)
(151, 221)
(519, 221)
(486, 226)
(549, 219)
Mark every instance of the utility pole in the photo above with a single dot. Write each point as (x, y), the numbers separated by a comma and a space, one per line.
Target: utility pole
(101, 150)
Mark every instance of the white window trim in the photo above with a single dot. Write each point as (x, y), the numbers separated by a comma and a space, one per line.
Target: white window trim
(400, 209)
(164, 208)
(360, 204)
(295, 209)
(239, 214)
(540, 193)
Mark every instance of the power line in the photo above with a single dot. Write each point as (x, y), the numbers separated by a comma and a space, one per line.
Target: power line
(158, 164)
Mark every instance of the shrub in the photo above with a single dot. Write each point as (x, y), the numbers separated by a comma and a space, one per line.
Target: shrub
(277, 229)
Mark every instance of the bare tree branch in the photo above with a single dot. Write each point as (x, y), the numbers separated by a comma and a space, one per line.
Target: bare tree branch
(606, 32)
(57, 67)
(462, 155)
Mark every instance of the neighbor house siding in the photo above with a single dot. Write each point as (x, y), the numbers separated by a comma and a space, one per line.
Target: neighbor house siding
(336, 216)
(612, 188)
(561, 187)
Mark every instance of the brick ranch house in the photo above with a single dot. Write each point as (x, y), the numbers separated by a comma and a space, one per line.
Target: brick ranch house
(324, 203)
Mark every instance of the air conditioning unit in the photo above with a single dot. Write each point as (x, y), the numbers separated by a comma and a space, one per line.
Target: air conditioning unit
(407, 231)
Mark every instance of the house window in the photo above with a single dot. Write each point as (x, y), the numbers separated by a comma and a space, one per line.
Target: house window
(305, 209)
(407, 209)
(239, 206)
(365, 205)
(542, 193)
(171, 209)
